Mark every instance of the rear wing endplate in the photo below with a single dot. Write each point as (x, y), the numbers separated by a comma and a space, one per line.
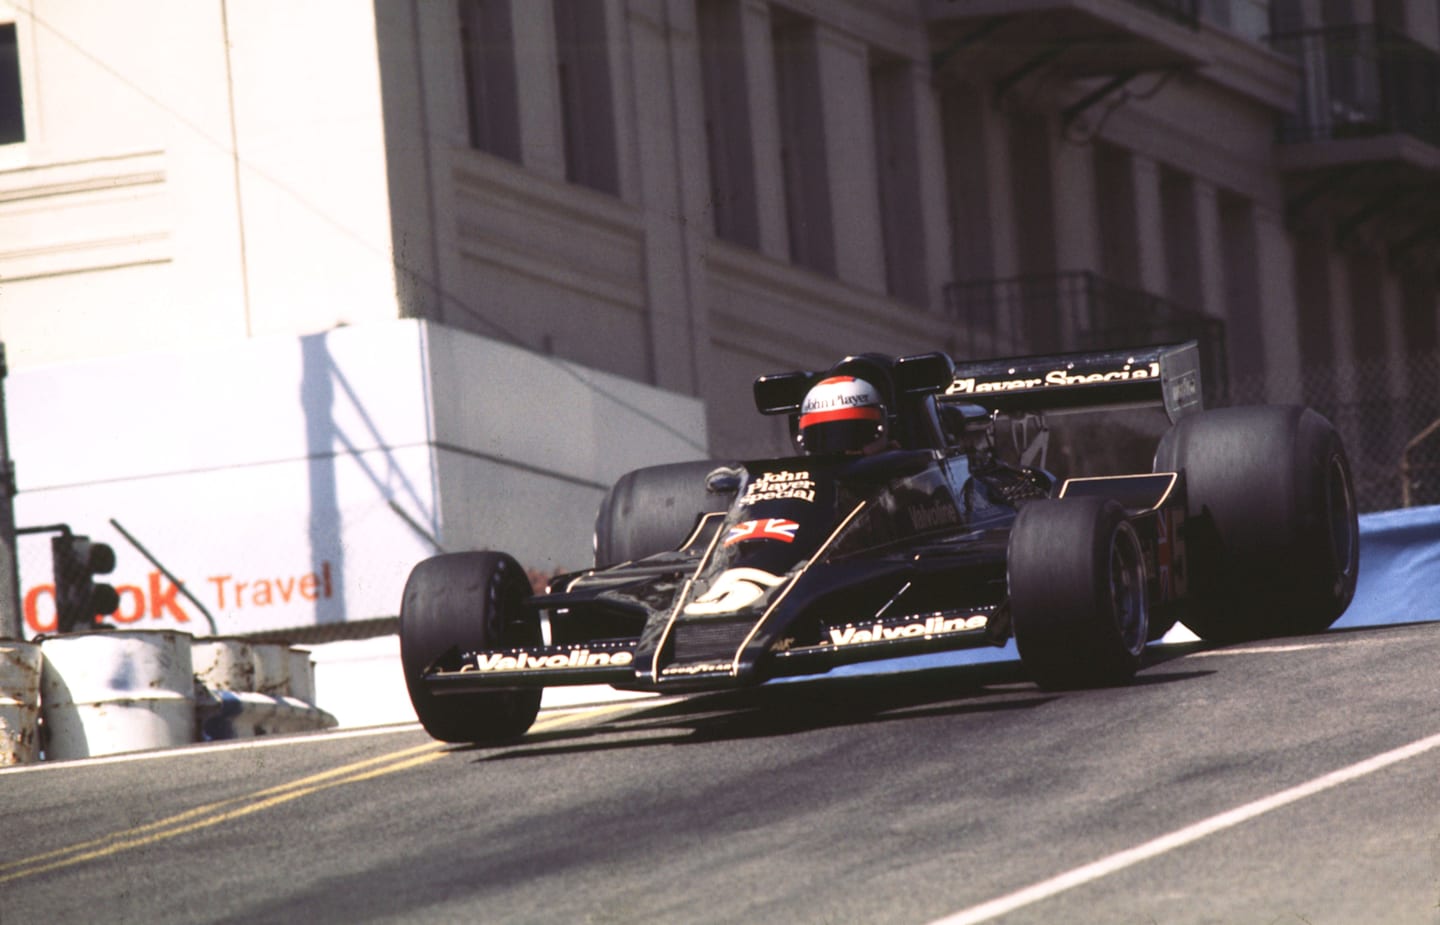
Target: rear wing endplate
(1164, 375)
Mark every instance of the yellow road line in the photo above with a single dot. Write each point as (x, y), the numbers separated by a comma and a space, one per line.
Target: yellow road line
(126, 844)
(584, 713)
(211, 814)
(219, 805)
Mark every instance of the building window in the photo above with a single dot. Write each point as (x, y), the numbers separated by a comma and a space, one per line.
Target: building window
(488, 46)
(586, 107)
(803, 165)
(897, 161)
(12, 109)
(727, 122)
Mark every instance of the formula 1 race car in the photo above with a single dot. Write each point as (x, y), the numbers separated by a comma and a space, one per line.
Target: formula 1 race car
(921, 517)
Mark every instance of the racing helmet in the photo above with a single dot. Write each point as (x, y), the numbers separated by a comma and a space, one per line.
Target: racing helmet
(842, 414)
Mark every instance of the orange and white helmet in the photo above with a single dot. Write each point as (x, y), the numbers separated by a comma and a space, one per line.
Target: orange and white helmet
(842, 414)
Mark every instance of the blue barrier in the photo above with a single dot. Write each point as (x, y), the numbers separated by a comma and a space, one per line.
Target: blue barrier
(1399, 568)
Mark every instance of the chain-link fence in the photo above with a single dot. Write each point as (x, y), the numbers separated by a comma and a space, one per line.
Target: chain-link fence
(1388, 416)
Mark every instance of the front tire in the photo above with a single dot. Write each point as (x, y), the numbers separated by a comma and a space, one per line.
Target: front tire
(1272, 533)
(461, 602)
(1078, 598)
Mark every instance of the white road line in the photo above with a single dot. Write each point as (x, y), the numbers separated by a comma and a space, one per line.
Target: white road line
(1192, 833)
(1264, 650)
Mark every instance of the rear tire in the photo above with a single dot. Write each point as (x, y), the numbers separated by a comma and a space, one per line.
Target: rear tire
(654, 510)
(461, 602)
(1078, 597)
(1272, 534)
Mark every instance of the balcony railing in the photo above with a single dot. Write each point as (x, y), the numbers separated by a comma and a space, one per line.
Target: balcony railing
(1186, 12)
(1182, 11)
(1362, 81)
(1248, 18)
(1079, 311)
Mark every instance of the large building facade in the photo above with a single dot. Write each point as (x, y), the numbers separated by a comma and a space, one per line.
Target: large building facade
(684, 194)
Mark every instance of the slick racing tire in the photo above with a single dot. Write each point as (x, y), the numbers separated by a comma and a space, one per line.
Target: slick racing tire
(1078, 599)
(655, 510)
(1271, 535)
(462, 602)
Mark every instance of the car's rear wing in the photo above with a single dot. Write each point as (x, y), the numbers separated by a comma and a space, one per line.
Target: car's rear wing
(1167, 376)
(1164, 375)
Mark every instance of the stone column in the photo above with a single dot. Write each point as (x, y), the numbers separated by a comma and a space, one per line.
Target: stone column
(673, 185)
(1149, 226)
(1211, 297)
(849, 128)
(1278, 324)
(764, 128)
(930, 154)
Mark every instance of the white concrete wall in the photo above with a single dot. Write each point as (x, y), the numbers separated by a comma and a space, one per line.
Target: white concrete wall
(526, 446)
(292, 481)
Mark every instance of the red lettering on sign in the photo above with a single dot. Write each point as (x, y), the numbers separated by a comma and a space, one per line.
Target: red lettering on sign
(163, 599)
(137, 598)
(160, 597)
(269, 592)
(219, 582)
(32, 610)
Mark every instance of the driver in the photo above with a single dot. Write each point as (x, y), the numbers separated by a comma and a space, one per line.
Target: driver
(843, 415)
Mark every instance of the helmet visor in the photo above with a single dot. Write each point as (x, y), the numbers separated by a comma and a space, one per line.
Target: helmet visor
(843, 430)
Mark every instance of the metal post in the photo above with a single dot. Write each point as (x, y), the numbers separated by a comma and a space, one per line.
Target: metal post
(9, 570)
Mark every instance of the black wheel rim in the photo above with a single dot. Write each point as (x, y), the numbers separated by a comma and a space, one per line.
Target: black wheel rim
(1127, 589)
(1341, 508)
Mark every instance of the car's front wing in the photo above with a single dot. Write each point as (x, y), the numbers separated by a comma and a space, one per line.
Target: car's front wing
(614, 661)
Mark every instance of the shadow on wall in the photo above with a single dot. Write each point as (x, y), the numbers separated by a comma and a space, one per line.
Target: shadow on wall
(324, 391)
(317, 398)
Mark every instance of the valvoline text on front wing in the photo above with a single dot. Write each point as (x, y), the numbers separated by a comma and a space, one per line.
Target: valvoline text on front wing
(934, 625)
(552, 659)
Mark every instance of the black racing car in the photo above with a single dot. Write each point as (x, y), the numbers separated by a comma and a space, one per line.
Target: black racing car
(718, 574)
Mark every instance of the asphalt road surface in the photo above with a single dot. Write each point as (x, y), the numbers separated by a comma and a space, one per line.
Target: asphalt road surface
(1295, 781)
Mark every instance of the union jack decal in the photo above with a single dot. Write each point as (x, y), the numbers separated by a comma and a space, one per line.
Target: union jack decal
(775, 528)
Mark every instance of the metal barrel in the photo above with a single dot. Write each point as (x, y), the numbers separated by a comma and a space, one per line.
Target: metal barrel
(302, 676)
(109, 692)
(19, 702)
(224, 663)
(272, 669)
